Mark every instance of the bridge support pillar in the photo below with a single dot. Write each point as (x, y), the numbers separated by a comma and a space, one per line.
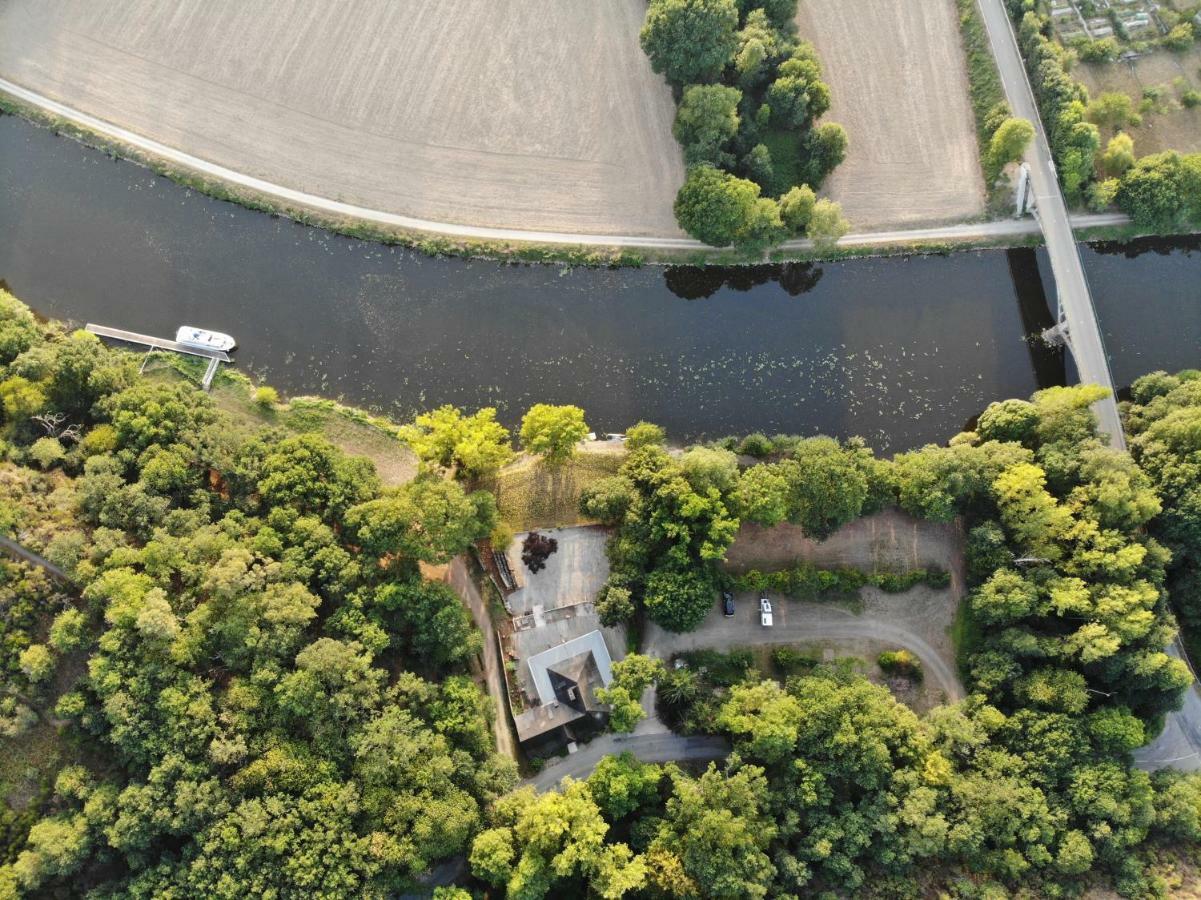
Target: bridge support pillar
(1057, 335)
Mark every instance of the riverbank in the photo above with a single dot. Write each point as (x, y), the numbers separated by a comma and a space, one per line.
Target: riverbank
(448, 239)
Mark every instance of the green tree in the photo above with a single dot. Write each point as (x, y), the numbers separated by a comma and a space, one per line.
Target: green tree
(707, 119)
(21, 398)
(428, 622)
(822, 150)
(645, 434)
(1008, 144)
(1162, 190)
(827, 486)
(763, 494)
(826, 224)
(622, 784)
(690, 41)
(714, 206)
(796, 208)
(631, 677)
(477, 445)
(797, 96)
(1118, 156)
(553, 432)
(428, 519)
(679, 598)
(718, 828)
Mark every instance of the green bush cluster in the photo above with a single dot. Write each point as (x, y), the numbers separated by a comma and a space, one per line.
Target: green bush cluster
(900, 662)
(805, 581)
(749, 95)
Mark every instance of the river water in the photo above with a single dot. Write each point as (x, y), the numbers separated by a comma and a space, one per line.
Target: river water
(900, 351)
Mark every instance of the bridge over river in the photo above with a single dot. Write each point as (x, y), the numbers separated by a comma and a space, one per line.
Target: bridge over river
(1076, 314)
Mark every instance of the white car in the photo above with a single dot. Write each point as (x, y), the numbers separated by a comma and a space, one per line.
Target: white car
(765, 612)
(190, 336)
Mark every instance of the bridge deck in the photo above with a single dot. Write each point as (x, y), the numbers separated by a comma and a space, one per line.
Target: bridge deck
(132, 337)
(1074, 298)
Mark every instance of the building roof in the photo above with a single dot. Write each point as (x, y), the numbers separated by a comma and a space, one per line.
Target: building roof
(561, 658)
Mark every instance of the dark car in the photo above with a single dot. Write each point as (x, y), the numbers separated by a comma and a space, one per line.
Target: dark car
(727, 604)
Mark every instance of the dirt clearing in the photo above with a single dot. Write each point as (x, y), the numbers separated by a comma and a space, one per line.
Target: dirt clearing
(898, 76)
(515, 114)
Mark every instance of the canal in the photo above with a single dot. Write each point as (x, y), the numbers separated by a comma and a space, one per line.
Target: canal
(901, 351)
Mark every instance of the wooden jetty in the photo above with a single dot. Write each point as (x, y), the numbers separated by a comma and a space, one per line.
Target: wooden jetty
(215, 357)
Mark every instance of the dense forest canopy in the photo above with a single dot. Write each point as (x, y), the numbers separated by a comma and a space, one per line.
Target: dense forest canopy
(255, 697)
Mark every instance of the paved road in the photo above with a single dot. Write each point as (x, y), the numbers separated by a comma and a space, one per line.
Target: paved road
(1179, 744)
(1084, 330)
(459, 578)
(967, 232)
(656, 748)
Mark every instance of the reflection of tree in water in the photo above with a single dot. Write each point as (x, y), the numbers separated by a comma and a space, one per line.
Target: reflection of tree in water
(1160, 246)
(697, 283)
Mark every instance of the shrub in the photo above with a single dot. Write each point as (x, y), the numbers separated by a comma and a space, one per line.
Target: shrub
(756, 444)
(536, 549)
(790, 661)
(900, 662)
(1191, 98)
(501, 537)
(46, 452)
(266, 397)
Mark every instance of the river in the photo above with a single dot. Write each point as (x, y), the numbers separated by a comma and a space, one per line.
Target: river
(901, 351)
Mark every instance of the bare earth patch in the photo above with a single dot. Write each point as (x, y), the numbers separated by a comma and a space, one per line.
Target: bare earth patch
(897, 72)
(507, 113)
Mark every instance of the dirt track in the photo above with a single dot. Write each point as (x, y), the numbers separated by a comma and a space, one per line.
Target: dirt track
(898, 76)
(516, 114)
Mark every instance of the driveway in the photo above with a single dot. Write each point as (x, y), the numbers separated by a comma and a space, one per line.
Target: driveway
(650, 748)
(918, 620)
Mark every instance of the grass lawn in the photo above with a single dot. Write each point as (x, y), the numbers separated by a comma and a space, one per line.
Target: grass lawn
(531, 494)
(785, 150)
(965, 636)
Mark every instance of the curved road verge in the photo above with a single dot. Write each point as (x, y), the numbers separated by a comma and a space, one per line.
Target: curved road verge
(978, 231)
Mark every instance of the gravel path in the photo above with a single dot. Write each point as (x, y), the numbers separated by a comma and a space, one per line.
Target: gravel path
(464, 585)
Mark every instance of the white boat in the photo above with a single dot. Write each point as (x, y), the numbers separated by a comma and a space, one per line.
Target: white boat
(190, 336)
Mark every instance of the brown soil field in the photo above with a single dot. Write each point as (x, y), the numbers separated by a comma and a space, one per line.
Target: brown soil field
(1177, 128)
(520, 114)
(898, 76)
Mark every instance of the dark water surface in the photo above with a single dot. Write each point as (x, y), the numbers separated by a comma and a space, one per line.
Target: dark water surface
(901, 351)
